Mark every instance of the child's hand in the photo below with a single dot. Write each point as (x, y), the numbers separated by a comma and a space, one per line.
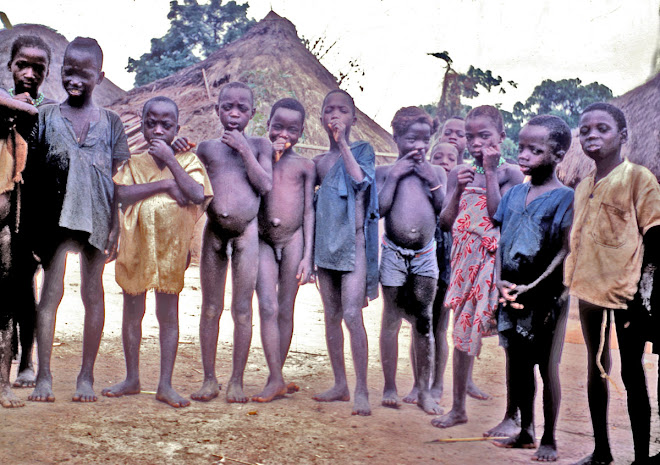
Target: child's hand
(111, 245)
(403, 166)
(236, 140)
(508, 294)
(280, 146)
(338, 129)
(160, 149)
(182, 144)
(174, 191)
(464, 176)
(305, 273)
(24, 97)
(426, 172)
(491, 158)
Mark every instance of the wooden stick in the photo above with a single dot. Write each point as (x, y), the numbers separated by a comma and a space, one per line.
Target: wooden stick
(148, 392)
(480, 438)
(206, 84)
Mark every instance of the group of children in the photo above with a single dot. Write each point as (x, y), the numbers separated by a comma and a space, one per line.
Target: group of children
(474, 239)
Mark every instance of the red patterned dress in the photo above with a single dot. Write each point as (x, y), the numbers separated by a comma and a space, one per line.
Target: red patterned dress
(472, 292)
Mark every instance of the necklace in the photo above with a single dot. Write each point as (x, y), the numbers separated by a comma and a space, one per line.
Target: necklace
(36, 102)
(480, 169)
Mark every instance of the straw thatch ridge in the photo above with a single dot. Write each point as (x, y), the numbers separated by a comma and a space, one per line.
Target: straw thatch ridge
(104, 94)
(642, 109)
(271, 58)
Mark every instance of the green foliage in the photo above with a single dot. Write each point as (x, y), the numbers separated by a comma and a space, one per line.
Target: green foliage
(196, 31)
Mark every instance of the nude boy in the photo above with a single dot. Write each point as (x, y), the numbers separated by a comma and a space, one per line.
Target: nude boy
(346, 244)
(239, 168)
(286, 248)
(410, 197)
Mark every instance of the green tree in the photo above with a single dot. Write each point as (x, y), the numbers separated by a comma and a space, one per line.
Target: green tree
(196, 31)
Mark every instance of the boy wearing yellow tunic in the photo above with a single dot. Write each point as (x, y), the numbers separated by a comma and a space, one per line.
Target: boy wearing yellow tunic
(162, 195)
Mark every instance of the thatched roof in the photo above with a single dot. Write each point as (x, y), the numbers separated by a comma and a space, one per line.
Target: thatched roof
(271, 58)
(642, 109)
(104, 94)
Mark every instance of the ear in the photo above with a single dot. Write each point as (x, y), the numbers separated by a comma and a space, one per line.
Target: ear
(396, 139)
(354, 121)
(9, 66)
(254, 112)
(100, 79)
(502, 136)
(217, 109)
(559, 155)
(624, 135)
(268, 124)
(177, 130)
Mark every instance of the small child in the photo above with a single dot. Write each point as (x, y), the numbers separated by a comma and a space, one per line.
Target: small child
(453, 131)
(534, 218)
(79, 148)
(240, 169)
(346, 244)
(162, 196)
(410, 197)
(286, 247)
(615, 206)
(473, 197)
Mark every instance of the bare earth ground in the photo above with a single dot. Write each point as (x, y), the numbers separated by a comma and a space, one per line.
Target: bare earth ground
(295, 430)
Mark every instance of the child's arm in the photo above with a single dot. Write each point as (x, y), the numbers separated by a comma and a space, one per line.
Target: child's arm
(352, 166)
(130, 194)
(505, 287)
(459, 177)
(305, 271)
(495, 191)
(258, 167)
(191, 190)
(402, 167)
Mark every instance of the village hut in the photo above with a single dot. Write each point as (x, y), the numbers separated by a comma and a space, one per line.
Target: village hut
(273, 61)
(104, 94)
(642, 109)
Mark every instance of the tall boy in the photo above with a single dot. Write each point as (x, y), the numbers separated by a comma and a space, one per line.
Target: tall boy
(286, 235)
(615, 206)
(346, 244)
(80, 146)
(410, 195)
(162, 196)
(534, 218)
(240, 169)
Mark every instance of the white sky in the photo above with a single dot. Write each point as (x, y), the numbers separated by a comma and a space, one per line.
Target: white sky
(609, 41)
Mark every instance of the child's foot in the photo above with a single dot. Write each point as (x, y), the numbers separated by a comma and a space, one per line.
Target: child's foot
(411, 398)
(291, 388)
(426, 402)
(546, 453)
(8, 399)
(592, 459)
(43, 392)
(361, 404)
(476, 393)
(125, 388)
(84, 392)
(26, 378)
(506, 428)
(271, 391)
(235, 393)
(210, 390)
(170, 397)
(391, 399)
(335, 393)
(450, 419)
(519, 441)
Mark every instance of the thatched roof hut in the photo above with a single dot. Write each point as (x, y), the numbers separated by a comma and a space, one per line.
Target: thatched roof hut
(272, 59)
(642, 109)
(104, 94)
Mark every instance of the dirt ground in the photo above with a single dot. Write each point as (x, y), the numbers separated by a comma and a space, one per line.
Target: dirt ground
(294, 430)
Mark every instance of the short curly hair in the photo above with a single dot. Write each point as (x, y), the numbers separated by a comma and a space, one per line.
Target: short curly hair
(490, 112)
(407, 116)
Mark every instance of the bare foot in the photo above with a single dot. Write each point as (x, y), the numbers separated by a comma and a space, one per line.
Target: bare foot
(426, 402)
(411, 398)
(8, 399)
(520, 441)
(508, 427)
(84, 392)
(170, 397)
(591, 459)
(43, 392)
(391, 399)
(25, 379)
(291, 388)
(436, 393)
(546, 453)
(125, 388)
(270, 392)
(235, 393)
(476, 393)
(210, 390)
(335, 393)
(450, 419)
(361, 404)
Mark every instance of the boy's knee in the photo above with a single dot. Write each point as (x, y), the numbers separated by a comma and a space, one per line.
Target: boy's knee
(353, 319)
(211, 312)
(268, 311)
(423, 325)
(242, 318)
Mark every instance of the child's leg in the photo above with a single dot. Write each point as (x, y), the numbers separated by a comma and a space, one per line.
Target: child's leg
(287, 290)
(267, 280)
(26, 319)
(51, 295)
(92, 263)
(473, 390)
(389, 345)
(245, 254)
(7, 398)
(458, 414)
(591, 318)
(331, 290)
(213, 277)
(131, 334)
(510, 424)
(167, 312)
(631, 339)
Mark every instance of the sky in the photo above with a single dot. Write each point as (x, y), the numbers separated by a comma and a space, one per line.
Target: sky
(609, 41)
